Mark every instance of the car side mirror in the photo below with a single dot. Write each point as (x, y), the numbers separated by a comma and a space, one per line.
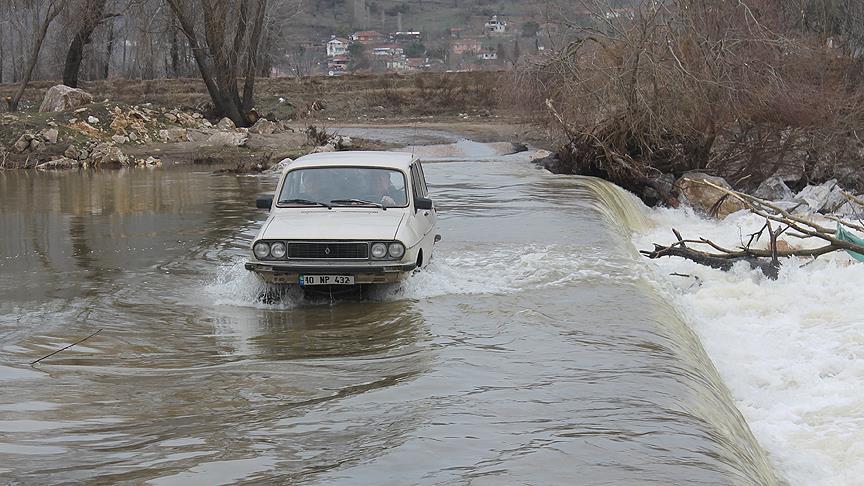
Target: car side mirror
(264, 201)
(423, 203)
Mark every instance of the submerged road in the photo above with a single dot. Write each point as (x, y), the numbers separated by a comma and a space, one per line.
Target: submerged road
(534, 350)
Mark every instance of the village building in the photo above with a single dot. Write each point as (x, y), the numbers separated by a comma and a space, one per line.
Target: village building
(407, 37)
(494, 26)
(388, 50)
(397, 64)
(488, 54)
(337, 46)
(463, 46)
(338, 65)
(416, 63)
(368, 37)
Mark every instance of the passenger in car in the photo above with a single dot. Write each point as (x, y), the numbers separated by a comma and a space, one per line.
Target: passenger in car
(382, 189)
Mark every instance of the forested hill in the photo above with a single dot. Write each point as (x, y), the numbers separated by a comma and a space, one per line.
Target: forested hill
(432, 16)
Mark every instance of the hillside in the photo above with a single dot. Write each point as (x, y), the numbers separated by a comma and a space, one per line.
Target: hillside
(320, 18)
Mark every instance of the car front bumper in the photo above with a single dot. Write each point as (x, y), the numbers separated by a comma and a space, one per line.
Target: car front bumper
(363, 273)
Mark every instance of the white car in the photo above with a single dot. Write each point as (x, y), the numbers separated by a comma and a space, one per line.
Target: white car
(346, 218)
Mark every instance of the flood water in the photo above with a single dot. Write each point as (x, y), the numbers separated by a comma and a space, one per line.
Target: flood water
(533, 350)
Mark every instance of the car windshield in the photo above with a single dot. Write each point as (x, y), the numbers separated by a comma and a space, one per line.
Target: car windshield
(344, 186)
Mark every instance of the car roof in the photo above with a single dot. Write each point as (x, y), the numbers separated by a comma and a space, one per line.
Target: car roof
(394, 160)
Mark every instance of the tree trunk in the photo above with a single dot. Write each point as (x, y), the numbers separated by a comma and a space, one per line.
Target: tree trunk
(252, 57)
(175, 53)
(94, 10)
(109, 48)
(54, 8)
(218, 57)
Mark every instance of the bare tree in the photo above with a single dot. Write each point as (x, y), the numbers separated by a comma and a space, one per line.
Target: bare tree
(92, 13)
(217, 44)
(736, 89)
(52, 9)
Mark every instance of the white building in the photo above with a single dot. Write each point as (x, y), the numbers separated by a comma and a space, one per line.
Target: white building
(488, 54)
(337, 46)
(495, 26)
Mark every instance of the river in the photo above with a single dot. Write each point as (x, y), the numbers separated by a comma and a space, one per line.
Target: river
(535, 349)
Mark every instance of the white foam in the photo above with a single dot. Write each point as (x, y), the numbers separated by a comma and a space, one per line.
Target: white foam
(482, 270)
(791, 350)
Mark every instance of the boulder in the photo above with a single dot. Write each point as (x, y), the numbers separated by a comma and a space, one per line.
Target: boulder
(278, 168)
(171, 135)
(36, 144)
(63, 98)
(235, 139)
(663, 182)
(774, 189)
(341, 142)
(51, 135)
(92, 120)
(133, 136)
(72, 153)
(85, 128)
(824, 198)
(264, 127)
(59, 164)
(119, 139)
(704, 198)
(226, 124)
(23, 143)
(107, 155)
(324, 148)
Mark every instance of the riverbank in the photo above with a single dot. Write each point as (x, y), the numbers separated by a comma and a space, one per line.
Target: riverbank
(147, 123)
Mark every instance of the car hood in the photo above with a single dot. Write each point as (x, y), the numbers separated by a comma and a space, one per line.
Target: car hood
(335, 224)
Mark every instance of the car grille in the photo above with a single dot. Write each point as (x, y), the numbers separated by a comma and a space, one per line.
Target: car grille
(326, 250)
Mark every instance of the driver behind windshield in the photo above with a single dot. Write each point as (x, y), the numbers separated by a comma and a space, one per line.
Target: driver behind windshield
(381, 189)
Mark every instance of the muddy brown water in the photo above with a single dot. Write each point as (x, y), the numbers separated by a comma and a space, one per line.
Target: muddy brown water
(534, 350)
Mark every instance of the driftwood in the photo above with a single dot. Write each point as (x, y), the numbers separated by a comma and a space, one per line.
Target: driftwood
(591, 154)
(767, 260)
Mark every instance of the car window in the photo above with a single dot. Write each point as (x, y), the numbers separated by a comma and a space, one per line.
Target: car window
(423, 179)
(343, 186)
(419, 189)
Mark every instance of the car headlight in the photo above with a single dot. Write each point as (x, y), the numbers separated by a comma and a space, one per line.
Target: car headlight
(277, 249)
(379, 250)
(396, 250)
(261, 250)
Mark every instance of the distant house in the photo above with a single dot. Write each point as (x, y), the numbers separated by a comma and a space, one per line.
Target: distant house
(488, 54)
(416, 63)
(337, 46)
(397, 64)
(388, 50)
(463, 46)
(495, 26)
(621, 13)
(338, 64)
(402, 37)
(368, 37)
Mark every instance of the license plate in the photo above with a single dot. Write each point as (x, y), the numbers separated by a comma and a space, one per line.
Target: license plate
(326, 280)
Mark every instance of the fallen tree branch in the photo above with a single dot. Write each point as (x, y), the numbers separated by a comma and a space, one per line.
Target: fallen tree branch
(765, 259)
(65, 348)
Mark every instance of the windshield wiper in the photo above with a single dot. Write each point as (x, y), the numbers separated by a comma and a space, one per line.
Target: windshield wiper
(357, 201)
(306, 202)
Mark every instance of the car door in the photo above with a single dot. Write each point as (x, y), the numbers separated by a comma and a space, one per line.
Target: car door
(426, 220)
